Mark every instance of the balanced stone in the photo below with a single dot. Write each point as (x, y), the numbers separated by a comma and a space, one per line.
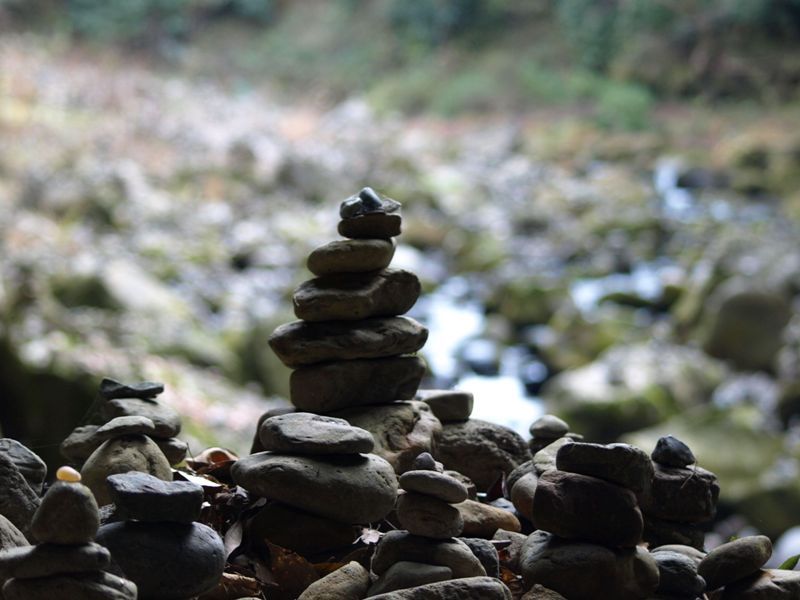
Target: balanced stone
(678, 575)
(425, 462)
(67, 515)
(400, 545)
(735, 560)
(366, 202)
(30, 466)
(351, 256)
(448, 405)
(486, 552)
(305, 343)
(331, 386)
(470, 588)
(434, 484)
(307, 433)
(347, 488)
(581, 507)
(377, 225)
(545, 459)
(98, 585)
(522, 494)
(405, 574)
(133, 424)
(120, 455)
(548, 427)
(45, 560)
(684, 495)
(143, 497)
(687, 551)
(428, 516)
(356, 296)
(671, 452)
(167, 561)
(166, 420)
(111, 389)
(174, 449)
(349, 581)
(18, 501)
(622, 464)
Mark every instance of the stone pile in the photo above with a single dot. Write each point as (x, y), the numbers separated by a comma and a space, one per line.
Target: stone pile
(155, 540)
(589, 523)
(137, 434)
(321, 479)
(352, 351)
(65, 563)
(680, 498)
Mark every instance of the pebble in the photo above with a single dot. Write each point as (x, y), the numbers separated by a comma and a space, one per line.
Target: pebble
(350, 489)
(482, 520)
(575, 506)
(18, 501)
(405, 574)
(671, 452)
(429, 517)
(30, 466)
(351, 256)
(68, 474)
(548, 427)
(333, 386)
(166, 561)
(350, 581)
(68, 514)
(46, 560)
(470, 588)
(735, 560)
(425, 462)
(130, 425)
(356, 296)
(432, 483)
(111, 389)
(621, 464)
(98, 585)
(678, 575)
(309, 434)
(305, 343)
(165, 419)
(120, 455)
(400, 545)
(146, 498)
(449, 406)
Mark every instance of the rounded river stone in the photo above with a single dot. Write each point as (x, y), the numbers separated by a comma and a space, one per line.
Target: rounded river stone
(307, 433)
(97, 585)
(735, 560)
(429, 517)
(68, 514)
(435, 484)
(351, 256)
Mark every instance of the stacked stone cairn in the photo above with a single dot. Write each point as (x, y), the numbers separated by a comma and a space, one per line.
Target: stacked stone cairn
(428, 551)
(155, 540)
(681, 497)
(65, 563)
(352, 351)
(136, 433)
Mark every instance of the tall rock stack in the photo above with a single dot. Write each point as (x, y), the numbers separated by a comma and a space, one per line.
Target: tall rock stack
(352, 348)
(590, 525)
(66, 563)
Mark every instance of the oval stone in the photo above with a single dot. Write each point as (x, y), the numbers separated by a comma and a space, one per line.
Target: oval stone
(307, 433)
(351, 256)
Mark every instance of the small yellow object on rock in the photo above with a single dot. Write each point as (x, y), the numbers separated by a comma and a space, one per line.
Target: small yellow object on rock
(68, 474)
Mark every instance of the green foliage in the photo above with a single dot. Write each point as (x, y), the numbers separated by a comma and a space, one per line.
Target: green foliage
(623, 106)
(790, 563)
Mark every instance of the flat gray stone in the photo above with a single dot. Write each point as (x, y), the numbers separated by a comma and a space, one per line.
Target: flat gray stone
(45, 560)
(621, 464)
(142, 497)
(351, 256)
(429, 517)
(400, 545)
(448, 405)
(98, 585)
(431, 483)
(27, 462)
(133, 424)
(68, 514)
(333, 386)
(306, 343)
(356, 296)
(111, 389)
(80, 444)
(405, 574)
(735, 560)
(470, 588)
(678, 575)
(372, 226)
(174, 449)
(307, 433)
(166, 420)
(349, 581)
(358, 488)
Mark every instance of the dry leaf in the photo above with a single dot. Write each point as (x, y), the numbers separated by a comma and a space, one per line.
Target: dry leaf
(232, 586)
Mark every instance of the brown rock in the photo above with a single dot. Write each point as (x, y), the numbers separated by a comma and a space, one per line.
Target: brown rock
(767, 584)
(351, 256)
(483, 520)
(371, 226)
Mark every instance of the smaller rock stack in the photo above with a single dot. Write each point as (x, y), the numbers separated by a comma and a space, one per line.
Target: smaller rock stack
(321, 478)
(138, 434)
(586, 509)
(66, 563)
(427, 552)
(158, 544)
(680, 497)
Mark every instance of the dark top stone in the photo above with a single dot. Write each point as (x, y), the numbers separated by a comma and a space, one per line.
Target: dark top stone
(143, 497)
(111, 389)
(365, 202)
(672, 452)
(424, 462)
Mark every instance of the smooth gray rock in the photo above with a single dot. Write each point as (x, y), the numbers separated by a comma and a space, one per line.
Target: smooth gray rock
(735, 560)
(438, 485)
(400, 545)
(448, 405)
(309, 434)
(174, 449)
(621, 464)
(765, 584)
(427, 516)
(688, 551)
(372, 226)
(10, 535)
(351, 256)
(18, 501)
(483, 520)
(80, 444)
(166, 561)
(366, 202)
(45, 560)
(349, 582)
(523, 492)
(130, 425)
(671, 452)
(332, 386)
(480, 450)
(470, 588)
(143, 497)
(302, 343)
(404, 574)
(545, 459)
(98, 585)
(548, 427)
(68, 514)
(27, 462)
(166, 420)
(678, 575)
(356, 296)
(347, 488)
(485, 552)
